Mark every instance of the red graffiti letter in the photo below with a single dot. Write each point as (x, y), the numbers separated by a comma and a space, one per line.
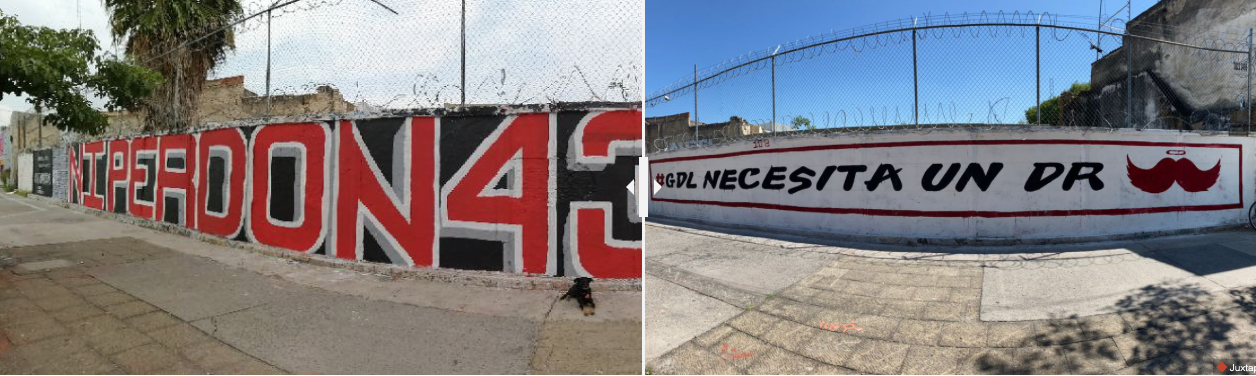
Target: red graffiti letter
(222, 164)
(519, 214)
(402, 220)
(93, 154)
(303, 147)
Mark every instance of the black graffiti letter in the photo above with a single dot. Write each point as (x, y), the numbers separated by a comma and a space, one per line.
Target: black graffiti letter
(711, 179)
(850, 171)
(1075, 174)
(728, 181)
(1036, 181)
(671, 180)
(885, 171)
(932, 172)
(775, 173)
(681, 178)
(689, 179)
(824, 177)
(741, 178)
(803, 183)
(982, 178)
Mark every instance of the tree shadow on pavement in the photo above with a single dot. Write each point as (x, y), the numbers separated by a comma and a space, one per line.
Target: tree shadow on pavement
(1160, 329)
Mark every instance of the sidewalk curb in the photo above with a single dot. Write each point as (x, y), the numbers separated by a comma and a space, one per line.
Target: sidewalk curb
(464, 277)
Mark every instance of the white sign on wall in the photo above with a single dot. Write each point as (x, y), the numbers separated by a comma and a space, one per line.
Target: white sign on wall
(966, 179)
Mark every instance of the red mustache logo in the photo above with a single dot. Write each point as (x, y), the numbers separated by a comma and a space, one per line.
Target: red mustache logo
(1160, 177)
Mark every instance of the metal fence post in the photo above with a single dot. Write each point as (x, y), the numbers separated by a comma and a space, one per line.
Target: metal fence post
(915, 75)
(773, 122)
(1249, 82)
(464, 53)
(268, 19)
(1038, 72)
(695, 104)
(1128, 44)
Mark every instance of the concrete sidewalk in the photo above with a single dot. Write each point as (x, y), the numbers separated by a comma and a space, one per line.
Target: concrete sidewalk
(726, 304)
(83, 294)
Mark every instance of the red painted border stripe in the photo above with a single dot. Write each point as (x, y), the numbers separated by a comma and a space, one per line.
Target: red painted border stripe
(957, 214)
(945, 143)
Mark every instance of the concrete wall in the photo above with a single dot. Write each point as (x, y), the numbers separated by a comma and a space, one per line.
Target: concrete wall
(676, 131)
(25, 171)
(1007, 183)
(1177, 87)
(519, 191)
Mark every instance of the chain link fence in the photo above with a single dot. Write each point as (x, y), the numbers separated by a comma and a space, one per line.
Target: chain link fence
(972, 70)
(318, 58)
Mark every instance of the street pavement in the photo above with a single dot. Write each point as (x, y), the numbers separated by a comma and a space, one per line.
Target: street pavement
(724, 301)
(84, 294)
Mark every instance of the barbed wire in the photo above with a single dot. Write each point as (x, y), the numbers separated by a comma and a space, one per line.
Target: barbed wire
(1196, 81)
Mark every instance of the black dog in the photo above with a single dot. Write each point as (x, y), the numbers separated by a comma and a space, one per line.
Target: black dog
(583, 294)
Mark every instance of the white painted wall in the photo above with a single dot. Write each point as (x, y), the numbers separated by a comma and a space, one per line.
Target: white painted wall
(1004, 211)
(25, 171)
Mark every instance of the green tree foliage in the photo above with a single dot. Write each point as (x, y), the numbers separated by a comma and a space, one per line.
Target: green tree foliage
(1051, 107)
(801, 123)
(54, 69)
(181, 39)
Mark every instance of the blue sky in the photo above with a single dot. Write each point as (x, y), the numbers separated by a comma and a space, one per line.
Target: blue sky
(962, 79)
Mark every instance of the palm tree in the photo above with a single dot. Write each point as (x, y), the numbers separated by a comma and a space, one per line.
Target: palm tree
(157, 34)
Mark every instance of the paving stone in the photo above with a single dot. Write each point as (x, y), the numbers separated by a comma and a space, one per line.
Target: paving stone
(1136, 347)
(861, 304)
(77, 313)
(58, 302)
(19, 310)
(35, 330)
(873, 326)
(689, 359)
(754, 322)
(129, 309)
(865, 288)
(946, 312)
(962, 334)
(902, 293)
(211, 355)
(907, 309)
(96, 325)
(183, 368)
(94, 289)
(876, 356)
(179, 336)
(931, 294)
(711, 337)
(777, 361)
(1101, 326)
(152, 321)
(740, 349)
(790, 335)
(46, 292)
(956, 281)
(109, 299)
(48, 351)
(929, 360)
(965, 296)
(1093, 357)
(832, 348)
(918, 332)
(791, 310)
(252, 367)
(76, 282)
(1010, 334)
(115, 341)
(41, 266)
(147, 359)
